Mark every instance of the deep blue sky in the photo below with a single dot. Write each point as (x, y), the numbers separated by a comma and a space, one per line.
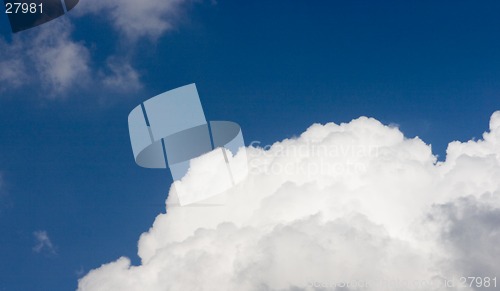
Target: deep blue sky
(275, 67)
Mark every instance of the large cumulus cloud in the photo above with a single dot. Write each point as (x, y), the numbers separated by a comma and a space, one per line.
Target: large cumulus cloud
(356, 203)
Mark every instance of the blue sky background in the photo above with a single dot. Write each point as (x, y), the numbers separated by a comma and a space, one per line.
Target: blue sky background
(275, 67)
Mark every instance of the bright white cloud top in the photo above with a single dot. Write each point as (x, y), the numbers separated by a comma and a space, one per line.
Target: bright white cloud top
(353, 203)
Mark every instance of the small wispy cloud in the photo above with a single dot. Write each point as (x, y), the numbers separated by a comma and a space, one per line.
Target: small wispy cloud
(121, 76)
(52, 58)
(48, 57)
(80, 272)
(136, 19)
(43, 243)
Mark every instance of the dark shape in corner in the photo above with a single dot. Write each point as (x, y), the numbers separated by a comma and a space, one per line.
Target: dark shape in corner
(38, 12)
(70, 4)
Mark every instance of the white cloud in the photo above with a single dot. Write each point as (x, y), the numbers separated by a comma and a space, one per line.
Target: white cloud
(469, 231)
(60, 61)
(121, 76)
(43, 242)
(49, 57)
(12, 68)
(12, 74)
(49, 50)
(356, 202)
(135, 19)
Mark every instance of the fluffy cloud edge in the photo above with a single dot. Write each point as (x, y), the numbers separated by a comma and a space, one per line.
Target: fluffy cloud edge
(398, 214)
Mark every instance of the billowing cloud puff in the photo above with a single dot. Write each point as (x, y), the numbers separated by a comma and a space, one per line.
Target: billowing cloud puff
(355, 206)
